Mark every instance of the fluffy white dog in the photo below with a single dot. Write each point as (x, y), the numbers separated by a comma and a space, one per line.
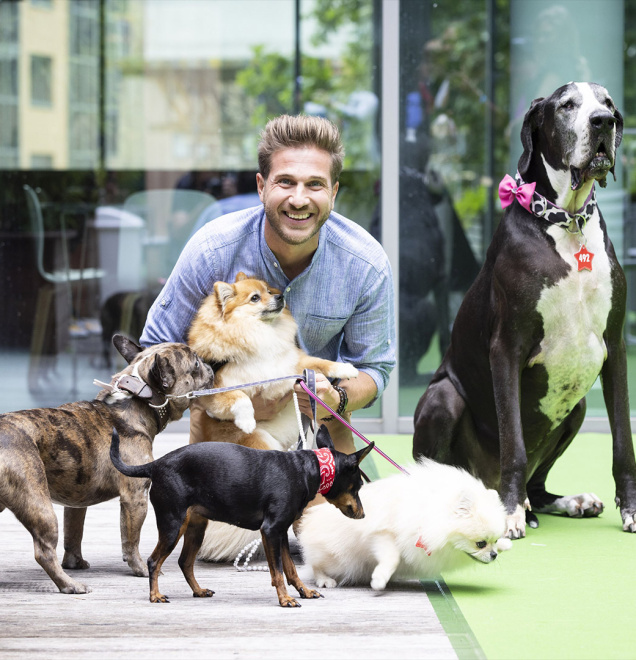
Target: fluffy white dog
(433, 520)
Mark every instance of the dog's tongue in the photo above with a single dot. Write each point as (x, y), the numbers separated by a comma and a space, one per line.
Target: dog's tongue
(577, 179)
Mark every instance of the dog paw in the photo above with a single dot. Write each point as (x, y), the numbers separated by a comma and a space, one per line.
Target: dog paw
(516, 523)
(140, 571)
(74, 563)
(243, 414)
(76, 588)
(288, 601)
(325, 582)
(503, 544)
(378, 584)
(203, 593)
(629, 522)
(158, 598)
(345, 370)
(586, 504)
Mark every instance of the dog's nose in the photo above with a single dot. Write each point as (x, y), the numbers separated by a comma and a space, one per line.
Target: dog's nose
(602, 121)
(493, 555)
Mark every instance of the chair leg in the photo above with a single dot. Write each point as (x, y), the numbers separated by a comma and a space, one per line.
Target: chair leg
(44, 303)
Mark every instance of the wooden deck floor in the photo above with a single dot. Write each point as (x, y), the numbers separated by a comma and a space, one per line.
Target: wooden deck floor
(242, 620)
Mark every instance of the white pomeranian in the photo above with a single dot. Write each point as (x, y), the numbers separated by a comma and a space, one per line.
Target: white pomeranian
(416, 526)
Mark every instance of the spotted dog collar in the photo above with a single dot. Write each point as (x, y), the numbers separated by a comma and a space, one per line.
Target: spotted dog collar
(526, 194)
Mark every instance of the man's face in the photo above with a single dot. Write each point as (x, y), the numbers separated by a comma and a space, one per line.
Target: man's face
(298, 194)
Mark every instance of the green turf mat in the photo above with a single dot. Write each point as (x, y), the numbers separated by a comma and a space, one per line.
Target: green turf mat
(567, 589)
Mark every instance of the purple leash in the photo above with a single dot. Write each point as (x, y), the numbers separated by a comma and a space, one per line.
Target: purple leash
(320, 402)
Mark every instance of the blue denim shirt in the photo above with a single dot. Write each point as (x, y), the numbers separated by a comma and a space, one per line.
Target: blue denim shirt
(343, 301)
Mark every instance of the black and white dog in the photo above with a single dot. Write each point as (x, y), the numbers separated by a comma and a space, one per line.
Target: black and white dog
(542, 320)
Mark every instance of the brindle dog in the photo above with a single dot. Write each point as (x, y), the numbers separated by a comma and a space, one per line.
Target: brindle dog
(62, 454)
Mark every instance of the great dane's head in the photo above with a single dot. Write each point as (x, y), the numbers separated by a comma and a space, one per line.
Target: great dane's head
(570, 139)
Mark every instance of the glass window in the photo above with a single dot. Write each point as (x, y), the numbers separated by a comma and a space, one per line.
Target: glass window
(41, 80)
(167, 98)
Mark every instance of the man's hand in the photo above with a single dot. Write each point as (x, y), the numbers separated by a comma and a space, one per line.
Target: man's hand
(324, 391)
(266, 409)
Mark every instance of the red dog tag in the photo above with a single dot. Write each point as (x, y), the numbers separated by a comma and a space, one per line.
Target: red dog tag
(584, 258)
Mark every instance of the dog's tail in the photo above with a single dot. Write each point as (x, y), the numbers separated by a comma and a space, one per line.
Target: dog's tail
(129, 470)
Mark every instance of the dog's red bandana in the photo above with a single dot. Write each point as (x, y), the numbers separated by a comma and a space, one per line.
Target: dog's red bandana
(327, 469)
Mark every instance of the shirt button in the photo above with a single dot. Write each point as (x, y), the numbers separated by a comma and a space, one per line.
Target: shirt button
(275, 265)
(288, 289)
(163, 302)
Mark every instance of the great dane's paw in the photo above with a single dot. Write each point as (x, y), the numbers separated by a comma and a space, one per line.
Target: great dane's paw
(629, 521)
(324, 581)
(243, 414)
(584, 505)
(576, 506)
(203, 593)
(345, 370)
(516, 523)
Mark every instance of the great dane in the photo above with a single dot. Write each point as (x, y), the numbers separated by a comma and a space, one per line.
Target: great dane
(542, 320)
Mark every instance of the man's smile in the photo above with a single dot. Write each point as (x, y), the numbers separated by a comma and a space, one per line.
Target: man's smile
(297, 216)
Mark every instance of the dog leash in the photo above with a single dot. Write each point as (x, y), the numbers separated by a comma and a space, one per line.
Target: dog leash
(217, 390)
(320, 402)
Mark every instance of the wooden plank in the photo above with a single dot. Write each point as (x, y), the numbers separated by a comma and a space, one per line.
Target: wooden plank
(242, 620)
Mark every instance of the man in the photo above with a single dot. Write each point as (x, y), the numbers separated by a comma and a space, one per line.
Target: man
(336, 278)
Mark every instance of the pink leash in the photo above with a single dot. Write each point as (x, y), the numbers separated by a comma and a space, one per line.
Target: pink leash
(320, 402)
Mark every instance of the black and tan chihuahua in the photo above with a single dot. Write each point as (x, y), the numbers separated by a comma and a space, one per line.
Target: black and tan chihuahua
(250, 488)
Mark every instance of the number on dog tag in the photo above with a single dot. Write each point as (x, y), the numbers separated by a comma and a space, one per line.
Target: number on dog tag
(584, 258)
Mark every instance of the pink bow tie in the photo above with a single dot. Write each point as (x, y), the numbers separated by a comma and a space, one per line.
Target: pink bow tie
(508, 190)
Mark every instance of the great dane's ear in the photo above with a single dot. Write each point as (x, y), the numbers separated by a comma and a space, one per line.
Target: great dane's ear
(127, 347)
(161, 376)
(532, 120)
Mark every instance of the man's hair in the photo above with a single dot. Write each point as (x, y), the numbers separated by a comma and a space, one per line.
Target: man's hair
(293, 132)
